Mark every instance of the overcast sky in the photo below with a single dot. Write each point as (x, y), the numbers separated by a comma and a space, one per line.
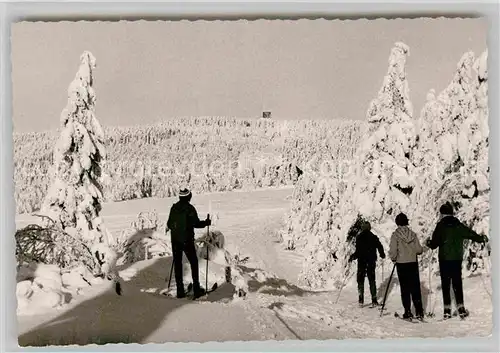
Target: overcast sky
(149, 71)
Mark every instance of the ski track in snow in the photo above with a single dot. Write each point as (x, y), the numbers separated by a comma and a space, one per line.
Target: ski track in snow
(275, 308)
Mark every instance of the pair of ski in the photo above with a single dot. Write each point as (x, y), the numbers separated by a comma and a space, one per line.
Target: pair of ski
(455, 315)
(190, 293)
(411, 319)
(414, 320)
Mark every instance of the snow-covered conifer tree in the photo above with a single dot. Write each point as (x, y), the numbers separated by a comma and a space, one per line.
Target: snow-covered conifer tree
(384, 178)
(75, 196)
(452, 161)
(320, 187)
(397, 170)
(378, 185)
(475, 130)
(441, 155)
(475, 202)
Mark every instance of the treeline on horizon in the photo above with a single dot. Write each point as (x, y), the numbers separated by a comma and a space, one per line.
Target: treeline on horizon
(208, 154)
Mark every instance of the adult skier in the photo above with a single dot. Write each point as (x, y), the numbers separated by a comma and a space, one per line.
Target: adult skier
(182, 220)
(367, 245)
(403, 251)
(449, 236)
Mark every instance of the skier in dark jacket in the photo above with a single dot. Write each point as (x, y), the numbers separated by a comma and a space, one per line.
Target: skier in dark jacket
(403, 250)
(449, 236)
(182, 220)
(367, 245)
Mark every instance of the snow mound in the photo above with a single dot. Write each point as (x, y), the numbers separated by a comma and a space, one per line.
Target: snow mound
(42, 287)
(43, 291)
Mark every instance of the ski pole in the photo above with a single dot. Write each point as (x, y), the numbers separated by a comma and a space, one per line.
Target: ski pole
(431, 311)
(340, 290)
(387, 290)
(343, 284)
(171, 267)
(170, 276)
(206, 244)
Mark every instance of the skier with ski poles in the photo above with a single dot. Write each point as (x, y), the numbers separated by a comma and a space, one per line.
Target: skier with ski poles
(449, 236)
(367, 245)
(182, 220)
(403, 251)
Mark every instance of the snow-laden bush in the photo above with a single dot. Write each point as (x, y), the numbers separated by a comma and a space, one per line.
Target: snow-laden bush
(224, 266)
(209, 244)
(146, 238)
(51, 245)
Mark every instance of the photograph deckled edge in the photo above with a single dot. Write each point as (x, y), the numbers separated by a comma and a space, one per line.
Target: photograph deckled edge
(7, 200)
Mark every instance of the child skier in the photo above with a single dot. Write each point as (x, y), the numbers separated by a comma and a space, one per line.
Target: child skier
(367, 245)
(449, 236)
(182, 220)
(403, 250)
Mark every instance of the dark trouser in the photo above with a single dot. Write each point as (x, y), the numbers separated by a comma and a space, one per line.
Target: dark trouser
(189, 249)
(409, 281)
(366, 269)
(451, 275)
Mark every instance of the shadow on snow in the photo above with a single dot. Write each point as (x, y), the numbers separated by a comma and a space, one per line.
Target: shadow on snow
(275, 286)
(109, 318)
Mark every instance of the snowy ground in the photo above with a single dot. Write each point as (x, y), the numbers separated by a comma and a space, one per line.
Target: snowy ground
(275, 308)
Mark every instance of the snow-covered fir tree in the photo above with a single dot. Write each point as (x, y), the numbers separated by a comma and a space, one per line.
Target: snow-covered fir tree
(311, 192)
(374, 187)
(442, 118)
(452, 155)
(384, 177)
(75, 196)
(320, 176)
(476, 166)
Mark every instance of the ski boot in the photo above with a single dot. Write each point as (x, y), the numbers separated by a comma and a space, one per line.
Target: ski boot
(361, 301)
(462, 312)
(407, 316)
(447, 314)
(198, 293)
(420, 316)
(374, 303)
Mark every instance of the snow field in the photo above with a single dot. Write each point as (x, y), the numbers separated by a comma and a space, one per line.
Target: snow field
(275, 307)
